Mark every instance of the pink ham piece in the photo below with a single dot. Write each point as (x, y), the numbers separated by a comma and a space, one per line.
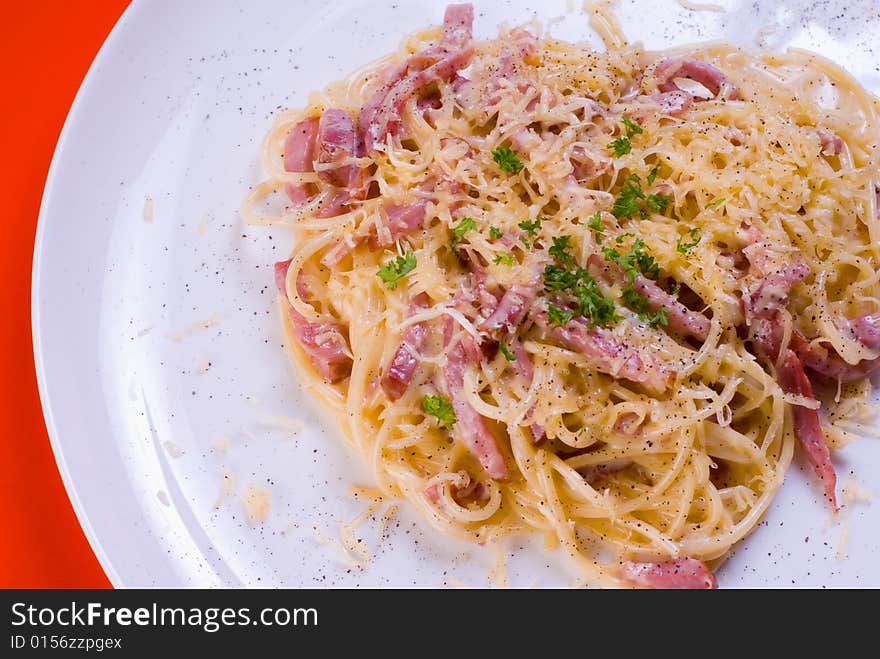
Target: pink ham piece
(523, 367)
(683, 573)
(610, 356)
(680, 319)
(827, 362)
(324, 343)
(708, 76)
(673, 103)
(380, 115)
(337, 142)
(470, 426)
(299, 152)
(406, 358)
(512, 308)
(807, 428)
(472, 492)
(831, 144)
(867, 331)
(400, 220)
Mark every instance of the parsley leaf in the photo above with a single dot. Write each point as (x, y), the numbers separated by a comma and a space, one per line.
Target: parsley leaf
(559, 279)
(458, 231)
(658, 318)
(559, 251)
(507, 160)
(441, 408)
(590, 301)
(504, 258)
(621, 146)
(506, 352)
(558, 317)
(717, 202)
(683, 247)
(639, 303)
(628, 203)
(636, 261)
(595, 225)
(658, 202)
(396, 269)
(494, 233)
(634, 300)
(632, 128)
(531, 228)
(653, 175)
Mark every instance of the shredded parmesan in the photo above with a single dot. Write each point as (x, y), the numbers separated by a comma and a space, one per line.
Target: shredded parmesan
(148, 209)
(256, 503)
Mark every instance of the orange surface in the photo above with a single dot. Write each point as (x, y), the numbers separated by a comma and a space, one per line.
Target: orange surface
(46, 49)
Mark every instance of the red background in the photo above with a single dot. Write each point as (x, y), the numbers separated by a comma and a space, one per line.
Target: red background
(46, 49)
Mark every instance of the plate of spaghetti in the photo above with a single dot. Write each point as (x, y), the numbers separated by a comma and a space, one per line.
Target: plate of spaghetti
(564, 288)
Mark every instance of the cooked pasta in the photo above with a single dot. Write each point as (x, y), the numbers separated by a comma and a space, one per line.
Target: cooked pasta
(602, 297)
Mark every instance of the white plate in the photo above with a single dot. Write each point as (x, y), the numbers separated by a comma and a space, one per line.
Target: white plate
(174, 109)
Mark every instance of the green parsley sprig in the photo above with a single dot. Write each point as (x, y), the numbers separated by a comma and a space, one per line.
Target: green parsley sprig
(393, 271)
(458, 231)
(506, 160)
(441, 408)
(683, 247)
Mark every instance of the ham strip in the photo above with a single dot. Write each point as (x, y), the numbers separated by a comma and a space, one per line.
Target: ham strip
(470, 426)
(670, 70)
(324, 343)
(686, 573)
(299, 152)
(337, 141)
(680, 319)
(380, 115)
(470, 490)
(867, 331)
(827, 362)
(400, 220)
(610, 356)
(512, 308)
(806, 424)
(406, 358)
(830, 143)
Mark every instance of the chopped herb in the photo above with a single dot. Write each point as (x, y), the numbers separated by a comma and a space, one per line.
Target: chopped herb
(673, 290)
(458, 231)
(506, 352)
(658, 317)
(595, 225)
(717, 202)
(558, 317)
(621, 146)
(636, 261)
(634, 300)
(507, 160)
(396, 269)
(658, 202)
(632, 128)
(578, 282)
(494, 233)
(531, 228)
(639, 303)
(683, 247)
(628, 203)
(504, 258)
(559, 279)
(653, 175)
(559, 251)
(441, 408)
